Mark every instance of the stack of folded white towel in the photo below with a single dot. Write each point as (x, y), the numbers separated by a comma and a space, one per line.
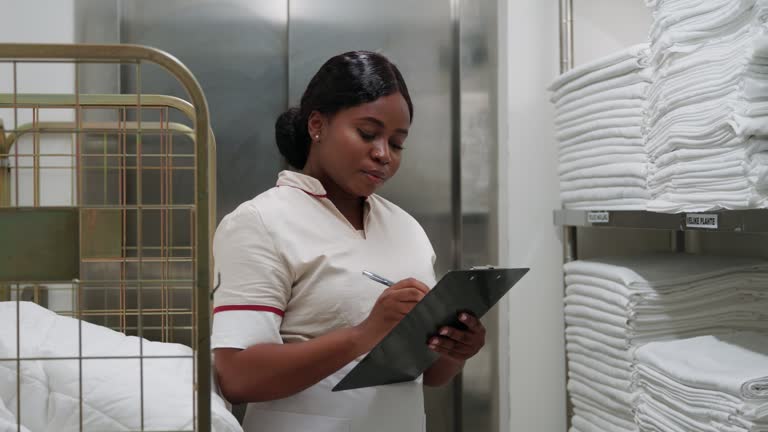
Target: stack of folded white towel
(599, 112)
(706, 118)
(614, 305)
(707, 384)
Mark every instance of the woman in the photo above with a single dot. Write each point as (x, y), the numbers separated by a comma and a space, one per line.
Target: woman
(294, 314)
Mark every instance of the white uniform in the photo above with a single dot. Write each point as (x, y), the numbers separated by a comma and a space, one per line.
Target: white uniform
(291, 269)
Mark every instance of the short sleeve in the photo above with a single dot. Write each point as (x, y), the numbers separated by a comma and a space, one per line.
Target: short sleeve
(253, 280)
(242, 329)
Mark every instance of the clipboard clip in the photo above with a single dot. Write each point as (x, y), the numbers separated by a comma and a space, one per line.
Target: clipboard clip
(483, 267)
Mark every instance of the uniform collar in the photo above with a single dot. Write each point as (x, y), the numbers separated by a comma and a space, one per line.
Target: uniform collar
(308, 184)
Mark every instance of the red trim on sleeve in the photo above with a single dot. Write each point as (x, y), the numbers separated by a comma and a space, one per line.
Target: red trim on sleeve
(257, 308)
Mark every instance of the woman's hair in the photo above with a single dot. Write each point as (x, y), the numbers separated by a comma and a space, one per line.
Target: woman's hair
(344, 81)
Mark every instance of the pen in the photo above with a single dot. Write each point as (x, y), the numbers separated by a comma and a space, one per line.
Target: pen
(377, 278)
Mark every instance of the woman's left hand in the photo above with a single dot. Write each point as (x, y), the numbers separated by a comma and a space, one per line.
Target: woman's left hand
(460, 345)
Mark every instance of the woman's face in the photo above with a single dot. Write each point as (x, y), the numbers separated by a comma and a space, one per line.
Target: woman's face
(359, 148)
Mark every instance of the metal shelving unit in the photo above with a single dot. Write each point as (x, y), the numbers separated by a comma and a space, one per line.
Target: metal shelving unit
(725, 221)
(736, 221)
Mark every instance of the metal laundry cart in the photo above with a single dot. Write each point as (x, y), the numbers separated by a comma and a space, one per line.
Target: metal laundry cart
(107, 202)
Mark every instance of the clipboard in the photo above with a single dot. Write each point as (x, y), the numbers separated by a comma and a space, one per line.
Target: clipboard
(403, 354)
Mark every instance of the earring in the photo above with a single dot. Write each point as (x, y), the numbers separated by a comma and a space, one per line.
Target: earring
(317, 137)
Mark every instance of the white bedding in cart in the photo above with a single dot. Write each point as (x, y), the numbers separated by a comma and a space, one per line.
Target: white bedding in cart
(117, 394)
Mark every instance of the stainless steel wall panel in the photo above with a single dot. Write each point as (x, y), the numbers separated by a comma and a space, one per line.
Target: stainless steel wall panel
(237, 50)
(479, 152)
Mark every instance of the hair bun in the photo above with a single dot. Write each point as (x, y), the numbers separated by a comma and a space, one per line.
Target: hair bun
(292, 137)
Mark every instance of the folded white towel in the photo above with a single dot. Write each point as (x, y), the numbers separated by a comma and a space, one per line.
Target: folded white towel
(602, 327)
(572, 133)
(607, 397)
(698, 187)
(598, 161)
(616, 347)
(574, 101)
(722, 136)
(749, 284)
(658, 385)
(587, 422)
(676, 204)
(618, 420)
(746, 126)
(719, 300)
(600, 182)
(609, 366)
(630, 114)
(604, 81)
(614, 170)
(579, 345)
(653, 382)
(659, 414)
(610, 134)
(727, 170)
(725, 20)
(633, 52)
(692, 156)
(621, 204)
(735, 364)
(605, 193)
(661, 271)
(592, 373)
(632, 144)
(580, 276)
(670, 14)
(571, 155)
(570, 115)
(708, 82)
(578, 295)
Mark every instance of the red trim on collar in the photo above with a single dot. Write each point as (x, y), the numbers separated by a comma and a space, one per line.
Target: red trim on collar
(306, 191)
(257, 308)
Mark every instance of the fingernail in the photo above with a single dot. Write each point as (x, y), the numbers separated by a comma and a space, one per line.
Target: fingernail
(444, 332)
(435, 341)
(463, 317)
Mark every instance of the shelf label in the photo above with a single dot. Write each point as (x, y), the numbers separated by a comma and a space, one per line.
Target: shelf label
(598, 217)
(706, 221)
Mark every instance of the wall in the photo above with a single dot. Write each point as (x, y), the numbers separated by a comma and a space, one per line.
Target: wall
(40, 21)
(605, 26)
(54, 21)
(237, 51)
(528, 192)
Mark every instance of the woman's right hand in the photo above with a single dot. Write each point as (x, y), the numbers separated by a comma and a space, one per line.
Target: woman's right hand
(391, 306)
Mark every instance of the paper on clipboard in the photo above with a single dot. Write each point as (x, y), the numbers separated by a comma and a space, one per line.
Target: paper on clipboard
(403, 354)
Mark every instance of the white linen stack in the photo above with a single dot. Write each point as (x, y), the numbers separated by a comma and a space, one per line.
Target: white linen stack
(707, 384)
(78, 376)
(706, 118)
(599, 111)
(616, 304)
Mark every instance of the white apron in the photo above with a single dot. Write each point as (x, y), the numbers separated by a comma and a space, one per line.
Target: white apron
(395, 407)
